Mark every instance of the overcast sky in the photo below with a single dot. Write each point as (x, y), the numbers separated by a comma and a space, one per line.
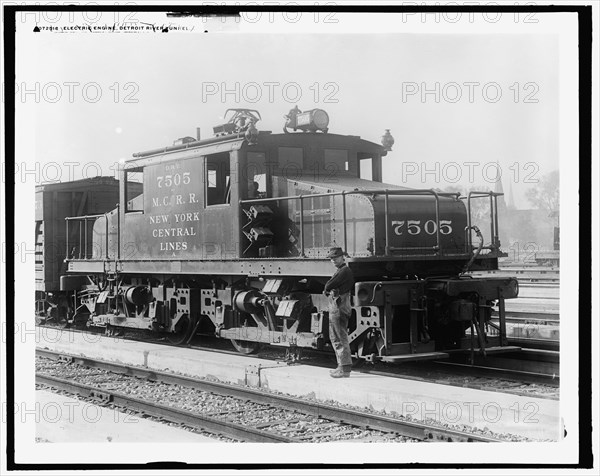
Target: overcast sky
(98, 97)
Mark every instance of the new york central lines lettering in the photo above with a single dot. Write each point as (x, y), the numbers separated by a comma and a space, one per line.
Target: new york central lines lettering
(179, 217)
(172, 219)
(172, 232)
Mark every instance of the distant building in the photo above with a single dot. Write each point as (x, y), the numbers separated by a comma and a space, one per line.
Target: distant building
(523, 232)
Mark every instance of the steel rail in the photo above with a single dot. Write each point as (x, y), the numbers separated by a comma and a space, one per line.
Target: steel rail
(212, 425)
(383, 423)
(478, 370)
(538, 321)
(533, 343)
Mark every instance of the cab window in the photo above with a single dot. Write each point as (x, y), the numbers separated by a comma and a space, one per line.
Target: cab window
(255, 175)
(217, 179)
(335, 160)
(291, 161)
(365, 167)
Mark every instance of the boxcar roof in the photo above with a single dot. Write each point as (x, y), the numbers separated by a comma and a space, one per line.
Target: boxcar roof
(81, 184)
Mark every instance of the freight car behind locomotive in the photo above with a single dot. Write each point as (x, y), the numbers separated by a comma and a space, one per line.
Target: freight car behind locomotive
(231, 234)
(54, 202)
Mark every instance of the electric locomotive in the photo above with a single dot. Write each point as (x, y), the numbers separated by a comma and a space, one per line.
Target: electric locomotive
(231, 233)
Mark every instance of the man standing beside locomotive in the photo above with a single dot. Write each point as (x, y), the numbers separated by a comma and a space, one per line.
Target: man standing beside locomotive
(338, 290)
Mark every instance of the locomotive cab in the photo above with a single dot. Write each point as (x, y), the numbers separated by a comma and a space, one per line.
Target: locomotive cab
(190, 207)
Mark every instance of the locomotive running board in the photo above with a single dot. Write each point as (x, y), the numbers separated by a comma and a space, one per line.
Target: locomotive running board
(414, 357)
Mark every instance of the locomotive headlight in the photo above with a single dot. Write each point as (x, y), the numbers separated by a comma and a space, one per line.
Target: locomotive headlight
(387, 140)
(313, 120)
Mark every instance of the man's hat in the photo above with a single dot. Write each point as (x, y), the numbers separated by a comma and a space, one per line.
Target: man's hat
(335, 252)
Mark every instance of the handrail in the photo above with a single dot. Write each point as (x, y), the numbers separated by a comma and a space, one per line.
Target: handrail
(301, 227)
(85, 239)
(386, 192)
(344, 221)
(386, 250)
(496, 236)
(353, 192)
(492, 231)
(82, 217)
(493, 196)
(106, 222)
(118, 254)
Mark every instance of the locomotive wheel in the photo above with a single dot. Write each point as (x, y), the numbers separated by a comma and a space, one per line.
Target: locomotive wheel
(113, 331)
(58, 315)
(80, 319)
(52, 314)
(41, 312)
(183, 331)
(246, 346)
(40, 317)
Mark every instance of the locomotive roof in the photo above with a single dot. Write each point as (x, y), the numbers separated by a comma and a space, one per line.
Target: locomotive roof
(266, 139)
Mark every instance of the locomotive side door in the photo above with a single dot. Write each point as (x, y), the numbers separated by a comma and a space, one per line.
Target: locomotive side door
(220, 213)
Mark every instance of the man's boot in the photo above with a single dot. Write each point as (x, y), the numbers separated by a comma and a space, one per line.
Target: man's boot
(343, 372)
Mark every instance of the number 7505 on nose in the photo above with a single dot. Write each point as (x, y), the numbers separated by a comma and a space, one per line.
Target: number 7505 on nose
(413, 227)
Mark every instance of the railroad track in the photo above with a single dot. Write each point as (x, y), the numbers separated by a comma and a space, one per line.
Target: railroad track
(522, 374)
(490, 371)
(495, 373)
(540, 319)
(525, 373)
(535, 344)
(293, 416)
(543, 321)
(527, 366)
